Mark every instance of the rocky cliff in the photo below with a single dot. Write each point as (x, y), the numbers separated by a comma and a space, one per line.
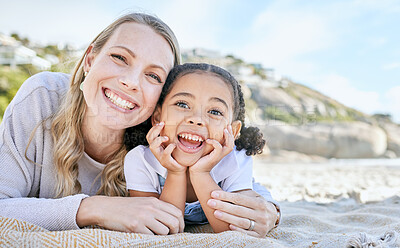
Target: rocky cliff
(296, 118)
(302, 124)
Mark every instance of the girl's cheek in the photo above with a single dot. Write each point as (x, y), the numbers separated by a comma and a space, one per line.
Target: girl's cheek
(219, 136)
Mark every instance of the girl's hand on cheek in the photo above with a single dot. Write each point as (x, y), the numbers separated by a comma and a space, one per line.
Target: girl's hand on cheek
(206, 163)
(163, 155)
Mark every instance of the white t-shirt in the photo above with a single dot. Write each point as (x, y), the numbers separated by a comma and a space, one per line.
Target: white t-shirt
(142, 171)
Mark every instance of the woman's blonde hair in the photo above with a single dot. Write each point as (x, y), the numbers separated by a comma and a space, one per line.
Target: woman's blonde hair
(67, 122)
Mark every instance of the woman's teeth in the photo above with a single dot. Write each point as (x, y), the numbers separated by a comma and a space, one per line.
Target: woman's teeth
(118, 100)
(191, 137)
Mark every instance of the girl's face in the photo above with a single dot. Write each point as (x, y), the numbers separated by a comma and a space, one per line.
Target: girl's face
(126, 77)
(198, 107)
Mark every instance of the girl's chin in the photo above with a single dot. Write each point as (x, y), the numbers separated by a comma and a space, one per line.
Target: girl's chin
(186, 160)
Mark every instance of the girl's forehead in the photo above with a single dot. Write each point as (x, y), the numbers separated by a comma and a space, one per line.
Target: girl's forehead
(206, 84)
(201, 80)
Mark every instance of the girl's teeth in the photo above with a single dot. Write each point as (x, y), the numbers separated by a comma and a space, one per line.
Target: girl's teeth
(189, 137)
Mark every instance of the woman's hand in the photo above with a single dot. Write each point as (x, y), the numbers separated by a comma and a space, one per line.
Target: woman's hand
(247, 205)
(206, 163)
(162, 154)
(147, 215)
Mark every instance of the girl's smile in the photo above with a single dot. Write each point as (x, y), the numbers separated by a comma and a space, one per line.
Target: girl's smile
(190, 142)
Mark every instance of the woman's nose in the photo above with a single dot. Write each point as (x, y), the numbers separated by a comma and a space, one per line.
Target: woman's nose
(130, 81)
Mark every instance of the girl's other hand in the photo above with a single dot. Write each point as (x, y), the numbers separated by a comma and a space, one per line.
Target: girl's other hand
(163, 155)
(147, 215)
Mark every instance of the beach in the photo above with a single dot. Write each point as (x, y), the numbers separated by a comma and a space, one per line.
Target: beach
(335, 203)
(339, 203)
(329, 181)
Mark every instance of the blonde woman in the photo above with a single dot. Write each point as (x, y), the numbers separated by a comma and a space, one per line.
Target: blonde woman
(62, 140)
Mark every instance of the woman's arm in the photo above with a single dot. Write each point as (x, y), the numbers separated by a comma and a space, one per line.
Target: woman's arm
(146, 215)
(26, 189)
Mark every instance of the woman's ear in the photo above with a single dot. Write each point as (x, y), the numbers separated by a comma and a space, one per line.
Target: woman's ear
(89, 57)
(236, 126)
(155, 118)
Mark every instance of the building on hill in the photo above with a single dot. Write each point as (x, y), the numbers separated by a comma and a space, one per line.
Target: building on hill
(13, 53)
(253, 75)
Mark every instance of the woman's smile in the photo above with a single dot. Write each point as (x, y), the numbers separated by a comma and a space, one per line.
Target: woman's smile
(117, 100)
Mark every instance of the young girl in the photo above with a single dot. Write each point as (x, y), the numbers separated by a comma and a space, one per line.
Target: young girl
(199, 115)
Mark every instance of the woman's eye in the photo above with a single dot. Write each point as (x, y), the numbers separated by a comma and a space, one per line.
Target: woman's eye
(215, 112)
(182, 105)
(119, 57)
(157, 78)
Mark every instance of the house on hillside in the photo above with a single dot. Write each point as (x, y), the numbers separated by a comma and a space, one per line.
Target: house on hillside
(13, 53)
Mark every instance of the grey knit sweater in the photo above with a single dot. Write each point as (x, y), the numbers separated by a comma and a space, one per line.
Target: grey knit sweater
(27, 190)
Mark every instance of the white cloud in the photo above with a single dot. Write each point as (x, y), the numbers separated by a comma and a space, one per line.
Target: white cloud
(385, 6)
(193, 22)
(378, 41)
(75, 22)
(283, 34)
(341, 89)
(391, 66)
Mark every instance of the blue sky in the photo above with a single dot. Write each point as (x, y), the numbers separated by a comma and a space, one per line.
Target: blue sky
(348, 50)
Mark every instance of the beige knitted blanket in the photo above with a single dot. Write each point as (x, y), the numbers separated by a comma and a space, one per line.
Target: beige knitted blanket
(304, 224)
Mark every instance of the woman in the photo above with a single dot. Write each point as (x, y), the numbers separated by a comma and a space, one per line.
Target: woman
(69, 173)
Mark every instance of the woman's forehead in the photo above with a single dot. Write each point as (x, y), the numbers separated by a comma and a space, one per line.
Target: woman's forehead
(143, 41)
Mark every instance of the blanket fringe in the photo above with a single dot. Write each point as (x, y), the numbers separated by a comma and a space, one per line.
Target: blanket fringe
(388, 240)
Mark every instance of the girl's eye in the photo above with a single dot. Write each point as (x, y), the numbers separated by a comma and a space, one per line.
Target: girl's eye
(119, 57)
(182, 105)
(215, 112)
(154, 76)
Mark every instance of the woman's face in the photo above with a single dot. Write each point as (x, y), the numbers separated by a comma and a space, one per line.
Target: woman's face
(125, 78)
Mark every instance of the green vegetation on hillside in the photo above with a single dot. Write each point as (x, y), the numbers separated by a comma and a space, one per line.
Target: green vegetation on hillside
(10, 81)
(333, 110)
(12, 78)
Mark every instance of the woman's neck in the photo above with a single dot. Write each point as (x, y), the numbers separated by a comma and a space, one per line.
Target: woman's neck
(100, 141)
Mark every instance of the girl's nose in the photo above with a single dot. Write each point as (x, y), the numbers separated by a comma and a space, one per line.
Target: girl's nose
(195, 120)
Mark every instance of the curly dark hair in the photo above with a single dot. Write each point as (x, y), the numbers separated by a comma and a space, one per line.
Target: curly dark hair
(251, 138)
(136, 135)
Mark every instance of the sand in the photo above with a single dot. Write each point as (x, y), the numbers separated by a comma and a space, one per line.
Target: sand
(334, 204)
(328, 182)
(323, 205)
